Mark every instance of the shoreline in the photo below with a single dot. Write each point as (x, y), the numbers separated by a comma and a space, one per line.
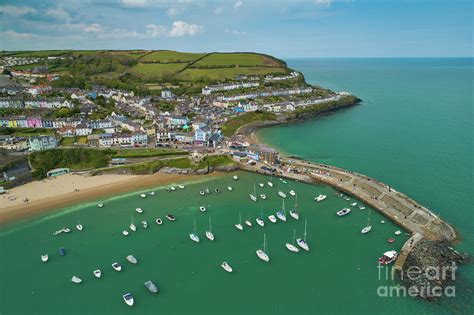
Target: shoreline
(60, 192)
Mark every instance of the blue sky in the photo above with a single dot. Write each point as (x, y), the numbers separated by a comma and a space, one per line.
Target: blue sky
(312, 28)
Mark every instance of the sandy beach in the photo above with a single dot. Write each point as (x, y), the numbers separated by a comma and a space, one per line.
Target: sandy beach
(71, 189)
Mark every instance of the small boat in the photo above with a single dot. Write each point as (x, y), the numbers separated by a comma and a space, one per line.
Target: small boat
(391, 240)
(294, 213)
(207, 191)
(282, 213)
(292, 192)
(347, 198)
(159, 221)
(254, 195)
(58, 232)
(125, 233)
(272, 218)
(181, 186)
(263, 196)
(62, 251)
(128, 298)
(145, 224)
(248, 223)
(131, 259)
(354, 204)
(172, 188)
(388, 257)
(202, 193)
(100, 205)
(151, 193)
(79, 226)
(343, 212)
(284, 181)
(235, 177)
(281, 194)
(270, 184)
(132, 225)
(361, 207)
(151, 286)
(139, 210)
(261, 185)
(260, 220)
(202, 208)
(292, 247)
(229, 188)
(226, 267)
(76, 279)
(116, 266)
(97, 273)
(320, 198)
(217, 191)
(383, 222)
(239, 225)
(143, 195)
(66, 230)
(367, 229)
(170, 217)
(193, 236)
(398, 232)
(262, 254)
(302, 242)
(44, 258)
(209, 234)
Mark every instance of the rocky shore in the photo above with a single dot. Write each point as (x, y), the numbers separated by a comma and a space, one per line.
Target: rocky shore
(202, 171)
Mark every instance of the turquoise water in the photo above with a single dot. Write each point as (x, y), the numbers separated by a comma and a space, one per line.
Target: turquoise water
(413, 130)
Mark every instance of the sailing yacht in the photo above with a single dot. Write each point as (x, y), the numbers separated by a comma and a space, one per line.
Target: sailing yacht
(368, 227)
(272, 218)
(270, 183)
(79, 226)
(132, 225)
(254, 195)
(261, 185)
(125, 233)
(263, 196)
(260, 220)
(320, 198)
(229, 188)
(262, 254)
(139, 210)
(239, 225)
(235, 177)
(193, 236)
(248, 222)
(302, 242)
(292, 192)
(281, 194)
(292, 247)
(282, 213)
(209, 234)
(294, 213)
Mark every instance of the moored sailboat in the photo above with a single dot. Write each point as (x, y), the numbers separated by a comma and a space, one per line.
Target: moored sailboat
(239, 225)
(97, 273)
(193, 236)
(291, 246)
(281, 194)
(260, 220)
(253, 196)
(132, 225)
(226, 267)
(282, 213)
(367, 229)
(209, 234)
(302, 242)
(262, 254)
(44, 258)
(248, 222)
(294, 213)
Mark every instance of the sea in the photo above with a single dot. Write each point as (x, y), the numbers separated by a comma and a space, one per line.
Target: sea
(412, 130)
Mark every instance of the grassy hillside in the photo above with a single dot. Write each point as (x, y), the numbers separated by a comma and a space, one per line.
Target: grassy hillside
(237, 59)
(169, 56)
(233, 124)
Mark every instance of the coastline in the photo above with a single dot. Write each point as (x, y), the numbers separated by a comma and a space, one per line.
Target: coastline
(61, 191)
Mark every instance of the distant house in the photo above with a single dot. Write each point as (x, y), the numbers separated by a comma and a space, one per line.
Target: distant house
(202, 135)
(215, 139)
(139, 139)
(41, 143)
(83, 130)
(262, 153)
(67, 131)
(184, 137)
(167, 94)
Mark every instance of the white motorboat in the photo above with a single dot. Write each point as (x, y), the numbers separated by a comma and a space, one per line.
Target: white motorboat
(131, 259)
(66, 230)
(354, 204)
(159, 221)
(132, 225)
(282, 213)
(139, 210)
(202, 208)
(128, 298)
(270, 184)
(170, 217)
(294, 213)
(248, 223)
(209, 234)
(302, 242)
(253, 197)
(117, 266)
(79, 227)
(226, 267)
(181, 186)
(100, 205)
(229, 188)
(125, 233)
(272, 218)
(76, 279)
(367, 229)
(262, 254)
(143, 195)
(398, 232)
(97, 273)
(217, 191)
(235, 177)
(239, 225)
(263, 196)
(193, 236)
(292, 192)
(151, 193)
(261, 185)
(44, 258)
(388, 257)
(284, 181)
(207, 191)
(320, 198)
(361, 207)
(172, 188)
(382, 221)
(145, 224)
(281, 194)
(151, 286)
(343, 212)
(291, 247)
(202, 193)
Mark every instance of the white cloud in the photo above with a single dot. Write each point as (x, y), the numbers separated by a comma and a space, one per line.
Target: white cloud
(238, 4)
(154, 30)
(172, 12)
(235, 32)
(21, 36)
(16, 11)
(218, 11)
(93, 28)
(325, 3)
(58, 13)
(181, 28)
(118, 34)
(134, 3)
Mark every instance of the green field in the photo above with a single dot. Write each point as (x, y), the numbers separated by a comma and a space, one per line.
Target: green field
(169, 56)
(142, 153)
(232, 125)
(225, 73)
(156, 71)
(237, 59)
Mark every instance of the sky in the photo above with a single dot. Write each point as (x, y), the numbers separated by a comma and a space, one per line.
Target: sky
(285, 29)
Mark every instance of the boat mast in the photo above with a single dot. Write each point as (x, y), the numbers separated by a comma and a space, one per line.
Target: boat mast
(283, 207)
(368, 219)
(264, 243)
(305, 221)
(294, 236)
(194, 225)
(261, 212)
(210, 224)
(240, 217)
(296, 203)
